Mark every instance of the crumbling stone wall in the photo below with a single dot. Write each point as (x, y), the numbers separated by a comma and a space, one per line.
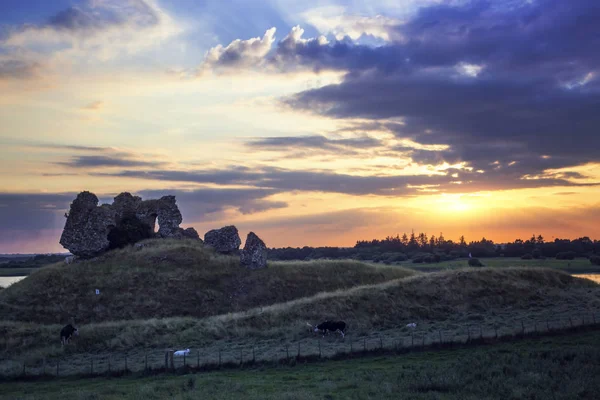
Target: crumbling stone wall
(91, 229)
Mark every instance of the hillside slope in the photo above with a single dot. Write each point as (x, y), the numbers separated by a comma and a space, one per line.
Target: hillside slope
(450, 301)
(173, 278)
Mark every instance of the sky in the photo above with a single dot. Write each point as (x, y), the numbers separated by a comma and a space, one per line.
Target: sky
(315, 123)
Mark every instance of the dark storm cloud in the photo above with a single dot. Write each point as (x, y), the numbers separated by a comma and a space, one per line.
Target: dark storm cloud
(90, 17)
(315, 143)
(33, 211)
(536, 94)
(18, 69)
(282, 180)
(107, 161)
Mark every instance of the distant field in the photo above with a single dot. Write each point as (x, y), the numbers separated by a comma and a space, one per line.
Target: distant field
(564, 367)
(579, 265)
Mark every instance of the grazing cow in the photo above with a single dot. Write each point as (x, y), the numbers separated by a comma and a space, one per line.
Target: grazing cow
(67, 332)
(331, 326)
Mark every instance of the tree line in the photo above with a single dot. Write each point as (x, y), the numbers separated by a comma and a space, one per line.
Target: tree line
(424, 248)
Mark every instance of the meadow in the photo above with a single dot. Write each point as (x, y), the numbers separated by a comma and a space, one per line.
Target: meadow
(560, 367)
(577, 266)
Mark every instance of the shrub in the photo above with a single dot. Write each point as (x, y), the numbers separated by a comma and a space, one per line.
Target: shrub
(454, 254)
(474, 262)
(527, 256)
(423, 258)
(536, 253)
(595, 260)
(566, 255)
(398, 257)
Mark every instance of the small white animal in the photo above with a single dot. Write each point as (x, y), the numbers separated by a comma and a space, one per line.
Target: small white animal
(412, 325)
(181, 353)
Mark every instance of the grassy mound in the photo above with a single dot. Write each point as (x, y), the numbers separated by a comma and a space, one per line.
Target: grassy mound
(173, 279)
(446, 300)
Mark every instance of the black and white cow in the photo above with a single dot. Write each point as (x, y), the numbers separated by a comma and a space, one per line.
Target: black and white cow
(67, 332)
(330, 326)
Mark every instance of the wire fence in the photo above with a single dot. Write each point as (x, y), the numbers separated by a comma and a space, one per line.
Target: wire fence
(312, 350)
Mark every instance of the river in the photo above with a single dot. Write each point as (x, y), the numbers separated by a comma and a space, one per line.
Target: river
(593, 277)
(9, 280)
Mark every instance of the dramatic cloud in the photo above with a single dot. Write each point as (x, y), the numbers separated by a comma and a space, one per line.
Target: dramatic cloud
(334, 21)
(283, 180)
(347, 146)
(17, 69)
(107, 161)
(35, 214)
(20, 211)
(240, 53)
(507, 84)
(93, 30)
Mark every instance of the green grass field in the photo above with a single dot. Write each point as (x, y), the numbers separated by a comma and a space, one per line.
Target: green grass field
(562, 367)
(579, 265)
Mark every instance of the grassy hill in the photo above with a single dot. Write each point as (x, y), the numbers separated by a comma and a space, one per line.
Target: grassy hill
(449, 301)
(168, 278)
(177, 293)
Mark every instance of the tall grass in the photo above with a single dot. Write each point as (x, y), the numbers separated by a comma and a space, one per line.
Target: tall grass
(559, 368)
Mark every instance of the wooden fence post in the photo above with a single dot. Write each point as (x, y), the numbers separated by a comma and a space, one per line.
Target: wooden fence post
(126, 369)
(109, 364)
(198, 359)
(480, 332)
(44, 365)
(319, 348)
(423, 343)
(92, 366)
(351, 348)
(145, 361)
(23, 368)
(548, 325)
(571, 322)
(522, 327)
(219, 358)
(365, 344)
(496, 330)
(241, 357)
(440, 333)
(298, 350)
(58, 367)
(468, 333)
(380, 342)
(287, 353)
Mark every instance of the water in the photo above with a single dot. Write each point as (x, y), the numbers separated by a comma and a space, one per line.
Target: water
(9, 280)
(593, 277)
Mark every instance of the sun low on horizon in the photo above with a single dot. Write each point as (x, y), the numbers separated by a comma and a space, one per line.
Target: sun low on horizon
(316, 123)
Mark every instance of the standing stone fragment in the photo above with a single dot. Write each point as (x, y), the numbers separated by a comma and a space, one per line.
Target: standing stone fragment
(254, 254)
(225, 240)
